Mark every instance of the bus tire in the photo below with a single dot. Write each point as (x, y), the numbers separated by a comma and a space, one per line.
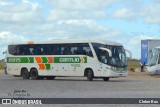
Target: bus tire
(25, 74)
(106, 78)
(90, 75)
(34, 74)
(50, 77)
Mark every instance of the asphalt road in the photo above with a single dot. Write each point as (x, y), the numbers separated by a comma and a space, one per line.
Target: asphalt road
(79, 87)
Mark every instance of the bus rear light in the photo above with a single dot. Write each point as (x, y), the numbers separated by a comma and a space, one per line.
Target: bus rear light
(30, 42)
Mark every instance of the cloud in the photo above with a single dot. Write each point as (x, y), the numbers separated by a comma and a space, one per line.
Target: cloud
(124, 13)
(83, 29)
(25, 11)
(7, 38)
(78, 9)
(80, 4)
(65, 14)
(151, 14)
(134, 44)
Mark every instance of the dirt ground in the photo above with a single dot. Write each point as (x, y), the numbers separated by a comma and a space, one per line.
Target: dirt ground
(1, 71)
(141, 75)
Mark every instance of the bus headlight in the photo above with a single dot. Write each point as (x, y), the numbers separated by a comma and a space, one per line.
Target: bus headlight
(113, 69)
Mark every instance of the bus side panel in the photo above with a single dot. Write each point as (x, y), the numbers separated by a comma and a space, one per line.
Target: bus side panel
(15, 68)
(78, 69)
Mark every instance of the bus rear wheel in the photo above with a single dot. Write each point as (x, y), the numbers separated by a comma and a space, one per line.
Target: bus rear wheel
(90, 75)
(106, 78)
(25, 74)
(34, 74)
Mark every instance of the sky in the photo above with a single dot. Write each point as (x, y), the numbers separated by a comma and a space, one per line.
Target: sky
(124, 21)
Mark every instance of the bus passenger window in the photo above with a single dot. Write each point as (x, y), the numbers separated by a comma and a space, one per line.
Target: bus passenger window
(74, 50)
(87, 51)
(12, 49)
(31, 50)
(62, 50)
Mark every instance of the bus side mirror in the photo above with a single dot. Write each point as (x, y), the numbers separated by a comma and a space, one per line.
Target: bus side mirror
(4, 52)
(130, 54)
(109, 51)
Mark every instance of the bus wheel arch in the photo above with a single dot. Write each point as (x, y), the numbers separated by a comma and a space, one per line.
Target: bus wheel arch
(25, 73)
(88, 72)
(34, 73)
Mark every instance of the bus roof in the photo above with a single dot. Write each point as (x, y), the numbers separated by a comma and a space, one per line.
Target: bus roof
(60, 41)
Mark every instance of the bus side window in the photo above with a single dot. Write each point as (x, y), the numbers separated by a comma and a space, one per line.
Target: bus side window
(51, 49)
(57, 49)
(65, 49)
(87, 51)
(17, 50)
(31, 50)
(54, 50)
(25, 50)
(12, 49)
(74, 50)
(62, 49)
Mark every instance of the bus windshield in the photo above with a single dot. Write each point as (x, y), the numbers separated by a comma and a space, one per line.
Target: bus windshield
(152, 57)
(118, 58)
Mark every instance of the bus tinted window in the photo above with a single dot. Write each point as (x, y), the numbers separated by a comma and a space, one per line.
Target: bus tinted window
(65, 49)
(86, 50)
(51, 49)
(12, 49)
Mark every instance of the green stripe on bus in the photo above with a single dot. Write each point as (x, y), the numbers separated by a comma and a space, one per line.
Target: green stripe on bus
(85, 59)
(20, 60)
(44, 60)
(48, 66)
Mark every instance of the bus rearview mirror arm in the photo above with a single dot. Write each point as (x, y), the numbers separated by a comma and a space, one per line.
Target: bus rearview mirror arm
(4, 52)
(108, 50)
(129, 53)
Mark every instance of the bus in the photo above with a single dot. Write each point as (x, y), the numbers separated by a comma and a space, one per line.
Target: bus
(60, 58)
(153, 58)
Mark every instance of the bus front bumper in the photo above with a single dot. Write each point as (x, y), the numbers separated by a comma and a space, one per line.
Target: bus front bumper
(111, 73)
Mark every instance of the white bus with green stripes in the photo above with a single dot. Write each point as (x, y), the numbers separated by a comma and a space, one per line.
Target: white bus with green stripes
(50, 59)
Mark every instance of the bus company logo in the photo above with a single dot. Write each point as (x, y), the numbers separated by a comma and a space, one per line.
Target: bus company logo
(6, 101)
(70, 59)
(144, 46)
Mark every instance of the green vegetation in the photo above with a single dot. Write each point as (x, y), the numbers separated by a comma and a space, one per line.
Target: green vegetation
(134, 63)
(133, 59)
(1, 64)
(134, 66)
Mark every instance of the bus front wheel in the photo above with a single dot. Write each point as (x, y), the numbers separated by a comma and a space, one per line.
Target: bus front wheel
(106, 78)
(90, 75)
(25, 73)
(34, 74)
